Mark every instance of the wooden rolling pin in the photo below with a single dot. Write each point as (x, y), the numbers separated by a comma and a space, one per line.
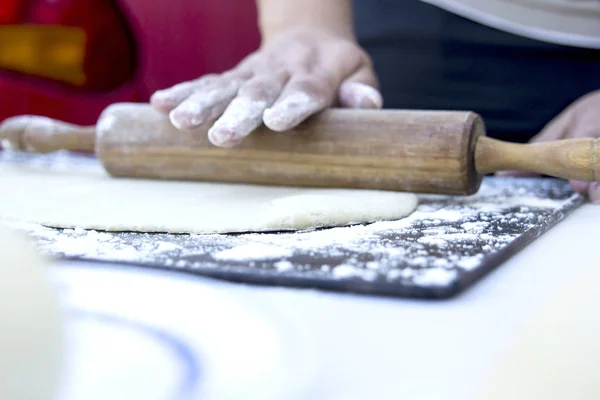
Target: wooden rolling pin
(417, 151)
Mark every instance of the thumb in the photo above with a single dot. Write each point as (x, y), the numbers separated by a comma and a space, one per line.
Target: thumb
(359, 90)
(594, 192)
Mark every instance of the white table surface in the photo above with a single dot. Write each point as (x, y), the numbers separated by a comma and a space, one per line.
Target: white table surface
(365, 347)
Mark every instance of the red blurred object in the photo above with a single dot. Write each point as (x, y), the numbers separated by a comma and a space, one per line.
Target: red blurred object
(110, 54)
(10, 11)
(134, 47)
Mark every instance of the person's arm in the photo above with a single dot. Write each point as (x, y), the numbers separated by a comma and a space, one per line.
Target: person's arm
(332, 16)
(308, 60)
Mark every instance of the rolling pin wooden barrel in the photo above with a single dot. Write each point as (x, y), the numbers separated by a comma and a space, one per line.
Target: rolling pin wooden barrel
(441, 152)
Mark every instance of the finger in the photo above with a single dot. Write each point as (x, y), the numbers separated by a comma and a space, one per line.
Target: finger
(205, 104)
(167, 99)
(359, 90)
(303, 96)
(244, 114)
(594, 192)
(580, 187)
(586, 124)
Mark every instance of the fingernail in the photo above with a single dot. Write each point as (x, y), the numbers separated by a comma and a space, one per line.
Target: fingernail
(187, 116)
(159, 95)
(594, 192)
(242, 116)
(359, 95)
(290, 111)
(223, 137)
(163, 99)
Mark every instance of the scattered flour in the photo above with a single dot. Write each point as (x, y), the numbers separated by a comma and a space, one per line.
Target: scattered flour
(470, 263)
(434, 277)
(284, 266)
(255, 251)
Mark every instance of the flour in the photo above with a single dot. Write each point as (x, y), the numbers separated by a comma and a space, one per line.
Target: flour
(203, 105)
(350, 271)
(242, 116)
(434, 277)
(106, 123)
(475, 227)
(174, 95)
(469, 263)
(284, 266)
(253, 252)
(286, 113)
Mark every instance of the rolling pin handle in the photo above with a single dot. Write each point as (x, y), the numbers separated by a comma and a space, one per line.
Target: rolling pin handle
(37, 134)
(573, 159)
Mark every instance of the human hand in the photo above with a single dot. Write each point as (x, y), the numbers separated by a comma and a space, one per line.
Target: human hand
(580, 120)
(290, 78)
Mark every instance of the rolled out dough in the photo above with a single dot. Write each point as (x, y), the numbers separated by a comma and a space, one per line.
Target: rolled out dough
(88, 198)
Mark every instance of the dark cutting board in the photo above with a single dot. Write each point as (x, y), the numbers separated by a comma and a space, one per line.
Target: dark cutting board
(448, 244)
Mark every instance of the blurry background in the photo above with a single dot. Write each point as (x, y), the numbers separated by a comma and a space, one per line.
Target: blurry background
(69, 59)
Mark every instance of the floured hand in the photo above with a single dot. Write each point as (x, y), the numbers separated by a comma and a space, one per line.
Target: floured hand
(290, 78)
(580, 120)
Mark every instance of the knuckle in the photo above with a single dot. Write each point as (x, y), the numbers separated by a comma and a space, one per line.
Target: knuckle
(261, 88)
(257, 90)
(366, 60)
(236, 74)
(205, 81)
(349, 49)
(317, 82)
(207, 78)
(317, 85)
(181, 87)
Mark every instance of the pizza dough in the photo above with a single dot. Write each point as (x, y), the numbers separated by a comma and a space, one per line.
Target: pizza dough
(86, 197)
(31, 342)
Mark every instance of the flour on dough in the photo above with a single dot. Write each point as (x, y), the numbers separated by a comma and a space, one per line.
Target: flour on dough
(88, 198)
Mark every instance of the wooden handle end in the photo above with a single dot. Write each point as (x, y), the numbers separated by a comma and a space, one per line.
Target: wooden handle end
(37, 134)
(576, 159)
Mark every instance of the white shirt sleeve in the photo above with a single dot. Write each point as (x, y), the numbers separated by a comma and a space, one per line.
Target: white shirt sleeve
(565, 22)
